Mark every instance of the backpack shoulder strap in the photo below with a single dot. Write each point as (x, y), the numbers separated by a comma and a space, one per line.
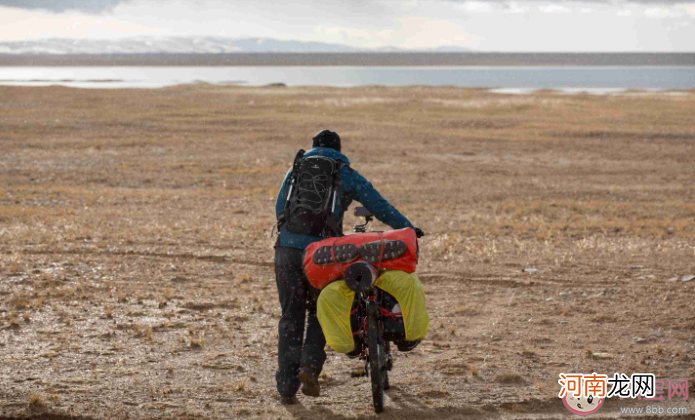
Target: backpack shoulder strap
(332, 226)
(290, 191)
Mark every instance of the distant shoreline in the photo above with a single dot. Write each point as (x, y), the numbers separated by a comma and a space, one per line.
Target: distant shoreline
(351, 59)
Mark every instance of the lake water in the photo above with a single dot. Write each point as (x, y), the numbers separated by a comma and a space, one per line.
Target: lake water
(599, 79)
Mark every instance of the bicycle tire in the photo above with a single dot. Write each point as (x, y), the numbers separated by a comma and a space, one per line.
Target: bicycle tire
(385, 369)
(375, 357)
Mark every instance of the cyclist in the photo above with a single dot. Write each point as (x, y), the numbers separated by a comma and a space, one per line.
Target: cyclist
(300, 359)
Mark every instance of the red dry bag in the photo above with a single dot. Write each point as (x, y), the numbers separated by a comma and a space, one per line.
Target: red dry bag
(326, 261)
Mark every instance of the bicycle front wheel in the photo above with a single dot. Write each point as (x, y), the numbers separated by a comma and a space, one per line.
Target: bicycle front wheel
(375, 356)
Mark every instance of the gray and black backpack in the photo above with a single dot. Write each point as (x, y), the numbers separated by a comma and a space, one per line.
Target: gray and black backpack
(311, 196)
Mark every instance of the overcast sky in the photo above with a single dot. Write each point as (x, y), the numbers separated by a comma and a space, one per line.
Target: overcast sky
(490, 25)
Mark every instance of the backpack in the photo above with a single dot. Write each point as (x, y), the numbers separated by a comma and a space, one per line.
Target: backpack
(311, 196)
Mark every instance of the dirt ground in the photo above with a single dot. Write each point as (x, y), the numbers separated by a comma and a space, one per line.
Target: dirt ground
(136, 276)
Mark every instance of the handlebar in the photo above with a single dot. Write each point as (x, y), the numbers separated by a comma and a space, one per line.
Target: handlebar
(368, 216)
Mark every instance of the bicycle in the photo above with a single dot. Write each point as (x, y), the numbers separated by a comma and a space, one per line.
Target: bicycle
(371, 313)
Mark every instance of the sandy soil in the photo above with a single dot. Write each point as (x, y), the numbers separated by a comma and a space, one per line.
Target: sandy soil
(136, 276)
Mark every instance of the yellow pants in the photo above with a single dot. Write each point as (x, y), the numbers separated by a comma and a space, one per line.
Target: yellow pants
(335, 303)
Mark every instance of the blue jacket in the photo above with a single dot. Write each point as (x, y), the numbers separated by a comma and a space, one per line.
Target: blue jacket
(354, 187)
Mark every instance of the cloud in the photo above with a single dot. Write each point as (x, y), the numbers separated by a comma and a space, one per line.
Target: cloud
(608, 2)
(661, 13)
(514, 8)
(688, 8)
(89, 6)
(100, 6)
(475, 6)
(554, 8)
(353, 35)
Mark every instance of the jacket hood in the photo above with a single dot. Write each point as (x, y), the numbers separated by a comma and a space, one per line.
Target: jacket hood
(327, 152)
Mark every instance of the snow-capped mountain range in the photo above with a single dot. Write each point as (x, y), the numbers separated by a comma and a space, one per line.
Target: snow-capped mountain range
(187, 45)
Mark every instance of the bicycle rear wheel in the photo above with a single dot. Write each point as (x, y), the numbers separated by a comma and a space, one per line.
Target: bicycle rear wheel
(375, 356)
(386, 366)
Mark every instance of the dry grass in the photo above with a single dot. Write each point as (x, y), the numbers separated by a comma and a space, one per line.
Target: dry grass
(36, 400)
(134, 236)
(509, 378)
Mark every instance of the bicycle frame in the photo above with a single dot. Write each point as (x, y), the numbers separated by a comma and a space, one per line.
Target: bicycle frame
(375, 295)
(376, 350)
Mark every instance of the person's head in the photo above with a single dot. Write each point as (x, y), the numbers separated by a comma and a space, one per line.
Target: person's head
(327, 138)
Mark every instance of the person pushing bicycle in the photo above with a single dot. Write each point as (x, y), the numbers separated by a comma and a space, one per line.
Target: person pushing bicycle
(315, 194)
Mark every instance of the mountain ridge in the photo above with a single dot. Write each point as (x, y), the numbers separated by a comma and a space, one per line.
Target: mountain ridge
(191, 45)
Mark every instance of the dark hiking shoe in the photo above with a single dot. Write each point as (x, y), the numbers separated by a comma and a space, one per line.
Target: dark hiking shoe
(310, 381)
(357, 352)
(288, 400)
(407, 345)
(371, 251)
